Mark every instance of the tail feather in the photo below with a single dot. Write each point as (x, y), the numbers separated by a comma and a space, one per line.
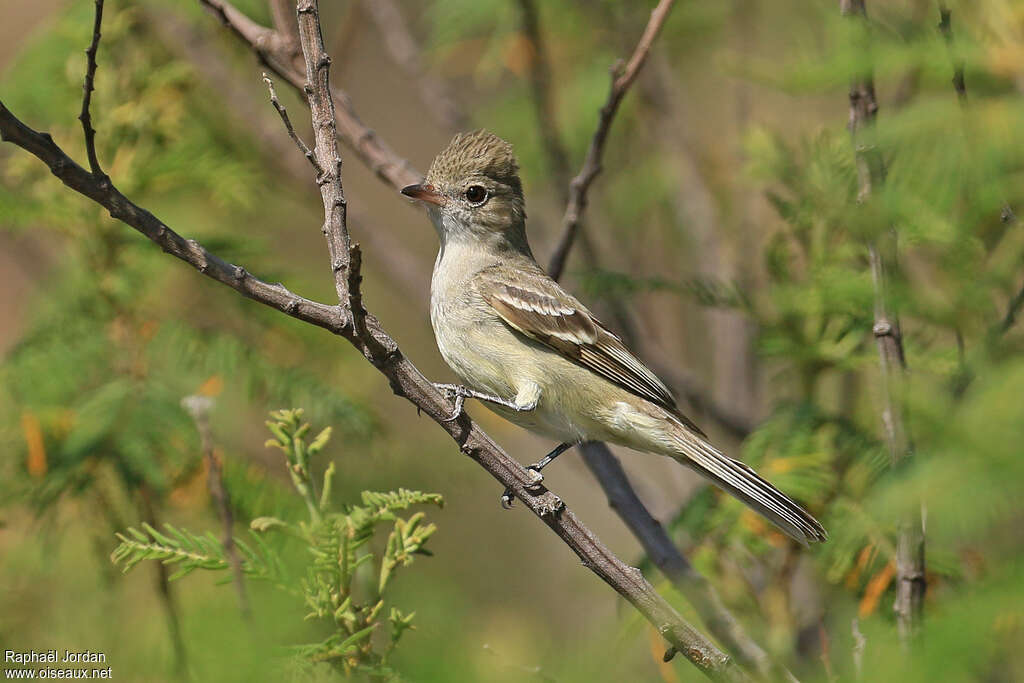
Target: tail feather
(745, 484)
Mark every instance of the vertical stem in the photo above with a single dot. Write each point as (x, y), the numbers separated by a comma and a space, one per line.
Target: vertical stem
(910, 562)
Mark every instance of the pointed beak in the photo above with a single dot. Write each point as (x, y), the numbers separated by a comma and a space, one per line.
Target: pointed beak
(424, 193)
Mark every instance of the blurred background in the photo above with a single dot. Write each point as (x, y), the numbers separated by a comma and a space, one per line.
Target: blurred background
(727, 219)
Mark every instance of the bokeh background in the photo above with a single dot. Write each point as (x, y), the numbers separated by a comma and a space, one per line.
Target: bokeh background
(726, 223)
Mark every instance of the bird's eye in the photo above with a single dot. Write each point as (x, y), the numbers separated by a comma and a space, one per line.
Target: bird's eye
(475, 194)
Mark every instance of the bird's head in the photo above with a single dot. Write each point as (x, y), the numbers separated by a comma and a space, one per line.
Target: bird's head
(472, 190)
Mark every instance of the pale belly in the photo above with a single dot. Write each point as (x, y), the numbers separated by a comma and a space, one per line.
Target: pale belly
(574, 404)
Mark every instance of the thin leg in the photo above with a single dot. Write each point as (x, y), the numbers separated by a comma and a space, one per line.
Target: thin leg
(460, 393)
(507, 497)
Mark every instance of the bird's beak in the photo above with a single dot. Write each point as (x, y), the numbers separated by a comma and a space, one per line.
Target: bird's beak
(424, 193)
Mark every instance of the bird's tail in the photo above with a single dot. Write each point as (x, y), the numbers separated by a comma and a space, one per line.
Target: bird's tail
(749, 487)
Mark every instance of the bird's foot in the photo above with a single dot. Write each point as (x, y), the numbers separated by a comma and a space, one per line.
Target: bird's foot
(454, 392)
(508, 497)
(459, 394)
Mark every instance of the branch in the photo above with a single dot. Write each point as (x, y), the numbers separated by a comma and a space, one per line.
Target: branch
(664, 554)
(87, 88)
(275, 52)
(367, 335)
(622, 78)
(406, 53)
(910, 565)
(283, 113)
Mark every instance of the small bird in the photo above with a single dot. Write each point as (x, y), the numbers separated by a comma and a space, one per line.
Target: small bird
(533, 353)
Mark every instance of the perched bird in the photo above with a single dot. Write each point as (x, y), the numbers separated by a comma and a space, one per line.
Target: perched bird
(533, 353)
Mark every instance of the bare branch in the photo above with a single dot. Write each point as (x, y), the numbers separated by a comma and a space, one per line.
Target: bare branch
(622, 78)
(274, 52)
(283, 113)
(42, 146)
(87, 88)
(910, 567)
(406, 53)
(199, 408)
(664, 554)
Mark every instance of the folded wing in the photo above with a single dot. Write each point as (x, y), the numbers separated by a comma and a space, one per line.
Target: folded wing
(536, 306)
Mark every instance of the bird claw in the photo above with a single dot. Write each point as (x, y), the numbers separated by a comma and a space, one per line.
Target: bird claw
(457, 393)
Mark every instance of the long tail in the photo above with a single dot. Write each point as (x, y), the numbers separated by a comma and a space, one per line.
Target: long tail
(748, 486)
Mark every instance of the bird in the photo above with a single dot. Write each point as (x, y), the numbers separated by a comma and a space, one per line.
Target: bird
(538, 357)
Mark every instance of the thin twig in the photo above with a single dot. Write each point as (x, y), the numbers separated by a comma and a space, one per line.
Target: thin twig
(910, 566)
(275, 52)
(622, 78)
(87, 88)
(406, 53)
(283, 113)
(198, 407)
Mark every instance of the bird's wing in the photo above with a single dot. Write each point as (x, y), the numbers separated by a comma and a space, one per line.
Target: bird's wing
(539, 308)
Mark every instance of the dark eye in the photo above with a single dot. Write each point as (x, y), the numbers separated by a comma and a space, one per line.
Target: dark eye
(476, 194)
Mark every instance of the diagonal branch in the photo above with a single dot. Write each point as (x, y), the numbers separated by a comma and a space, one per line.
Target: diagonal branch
(283, 113)
(622, 78)
(664, 554)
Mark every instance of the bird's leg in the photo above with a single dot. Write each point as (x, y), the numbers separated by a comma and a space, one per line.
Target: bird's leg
(507, 498)
(460, 393)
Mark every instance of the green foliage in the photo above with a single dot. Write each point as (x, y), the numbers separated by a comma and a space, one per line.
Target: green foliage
(346, 582)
